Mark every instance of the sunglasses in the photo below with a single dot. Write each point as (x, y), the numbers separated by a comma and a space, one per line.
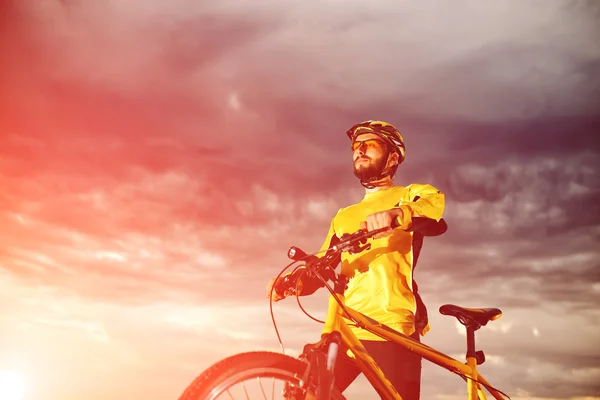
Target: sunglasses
(369, 144)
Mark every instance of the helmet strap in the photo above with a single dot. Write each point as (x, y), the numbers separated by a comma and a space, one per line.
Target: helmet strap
(384, 173)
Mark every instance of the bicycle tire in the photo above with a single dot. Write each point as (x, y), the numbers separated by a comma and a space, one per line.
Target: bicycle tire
(244, 366)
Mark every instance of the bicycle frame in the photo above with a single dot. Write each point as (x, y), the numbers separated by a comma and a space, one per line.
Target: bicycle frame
(335, 321)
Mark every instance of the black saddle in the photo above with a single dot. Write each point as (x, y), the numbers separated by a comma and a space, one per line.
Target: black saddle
(471, 317)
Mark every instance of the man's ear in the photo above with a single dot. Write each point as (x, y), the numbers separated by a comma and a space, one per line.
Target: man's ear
(394, 158)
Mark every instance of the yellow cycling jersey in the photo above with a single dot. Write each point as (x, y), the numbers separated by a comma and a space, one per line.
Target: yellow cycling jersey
(380, 279)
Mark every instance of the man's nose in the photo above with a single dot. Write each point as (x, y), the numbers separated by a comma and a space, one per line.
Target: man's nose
(359, 153)
(361, 148)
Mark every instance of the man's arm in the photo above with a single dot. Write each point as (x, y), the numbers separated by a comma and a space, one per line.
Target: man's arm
(424, 201)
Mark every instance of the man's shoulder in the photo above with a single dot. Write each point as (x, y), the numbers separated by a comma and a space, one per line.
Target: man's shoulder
(418, 187)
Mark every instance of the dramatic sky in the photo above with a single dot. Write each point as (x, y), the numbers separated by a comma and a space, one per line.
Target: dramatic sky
(157, 159)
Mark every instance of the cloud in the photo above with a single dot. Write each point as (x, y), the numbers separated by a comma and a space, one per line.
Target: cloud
(158, 159)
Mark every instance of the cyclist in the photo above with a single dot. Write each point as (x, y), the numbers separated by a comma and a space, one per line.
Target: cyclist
(381, 283)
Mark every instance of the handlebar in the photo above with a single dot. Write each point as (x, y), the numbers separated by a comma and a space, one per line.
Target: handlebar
(354, 243)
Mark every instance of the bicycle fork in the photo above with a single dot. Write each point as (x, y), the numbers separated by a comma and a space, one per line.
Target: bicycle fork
(332, 342)
(321, 358)
(326, 375)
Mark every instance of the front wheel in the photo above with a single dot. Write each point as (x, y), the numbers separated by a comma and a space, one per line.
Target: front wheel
(253, 375)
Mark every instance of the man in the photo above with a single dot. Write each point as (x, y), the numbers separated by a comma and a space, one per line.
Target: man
(381, 282)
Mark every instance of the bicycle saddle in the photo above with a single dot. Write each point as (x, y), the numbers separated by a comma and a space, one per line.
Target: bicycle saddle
(471, 317)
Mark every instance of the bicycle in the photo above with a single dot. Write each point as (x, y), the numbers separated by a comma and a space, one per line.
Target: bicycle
(310, 375)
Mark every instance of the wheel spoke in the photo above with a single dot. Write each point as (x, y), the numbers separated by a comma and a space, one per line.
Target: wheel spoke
(273, 389)
(246, 391)
(246, 376)
(262, 389)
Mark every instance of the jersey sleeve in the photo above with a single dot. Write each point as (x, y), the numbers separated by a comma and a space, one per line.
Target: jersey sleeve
(423, 201)
(429, 202)
(330, 239)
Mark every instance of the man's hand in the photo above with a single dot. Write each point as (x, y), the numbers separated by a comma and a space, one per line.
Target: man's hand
(274, 297)
(380, 220)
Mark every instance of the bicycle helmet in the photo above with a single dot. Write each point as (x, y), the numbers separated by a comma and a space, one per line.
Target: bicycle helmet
(391, 136)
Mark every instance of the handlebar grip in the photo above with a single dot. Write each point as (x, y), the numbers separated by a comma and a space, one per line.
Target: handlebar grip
(282, 285)
(287, 282)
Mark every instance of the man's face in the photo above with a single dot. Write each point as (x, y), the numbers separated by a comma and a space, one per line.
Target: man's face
(369, 155)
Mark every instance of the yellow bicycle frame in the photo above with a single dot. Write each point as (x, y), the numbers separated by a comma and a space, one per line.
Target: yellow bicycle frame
(335, 321)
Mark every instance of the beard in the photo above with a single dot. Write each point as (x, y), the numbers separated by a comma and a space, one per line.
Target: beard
(371, 171)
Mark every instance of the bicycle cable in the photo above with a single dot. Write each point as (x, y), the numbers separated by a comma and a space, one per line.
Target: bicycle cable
(330, 289)
(271, 305)
(273, 289)
(298, 299)
(358, 238)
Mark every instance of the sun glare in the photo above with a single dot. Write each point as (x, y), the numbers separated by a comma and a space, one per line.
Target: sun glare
(12, 386)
